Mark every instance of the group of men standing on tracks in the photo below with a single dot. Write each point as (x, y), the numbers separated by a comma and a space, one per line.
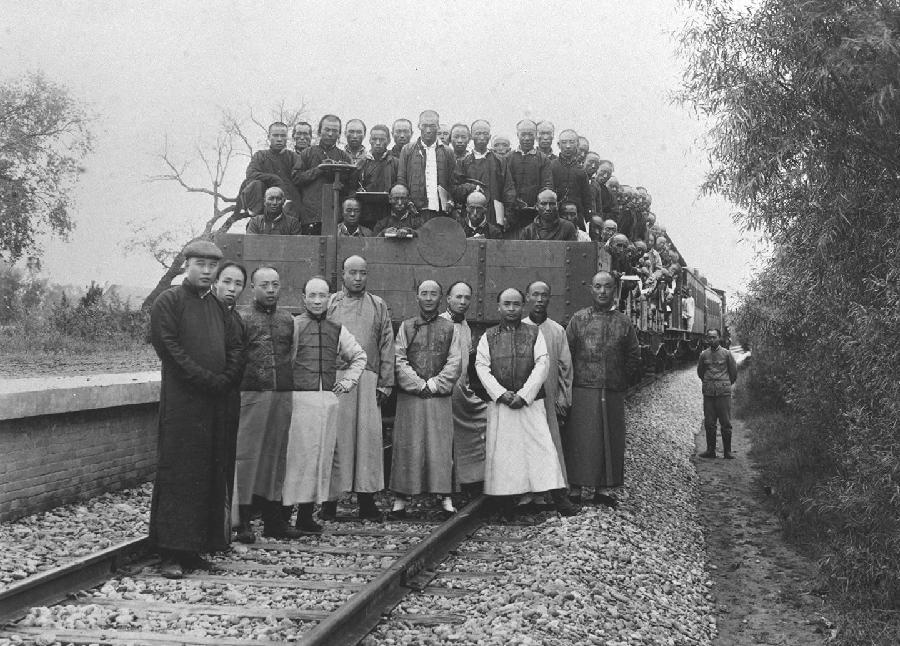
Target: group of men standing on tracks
(276, 411)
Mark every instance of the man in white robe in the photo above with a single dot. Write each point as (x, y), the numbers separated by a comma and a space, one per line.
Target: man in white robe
(558, 386)
(319, 343)
(427, 363)
(359, 456)
(512, 364)
(469, 410)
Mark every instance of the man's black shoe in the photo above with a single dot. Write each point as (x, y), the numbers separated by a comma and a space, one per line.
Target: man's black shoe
(328, 510)
(397, 514)
(604, 499)
(728, 455)
(708, 454)
(308, 526)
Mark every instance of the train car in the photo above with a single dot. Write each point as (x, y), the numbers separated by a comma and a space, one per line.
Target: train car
(441, 251)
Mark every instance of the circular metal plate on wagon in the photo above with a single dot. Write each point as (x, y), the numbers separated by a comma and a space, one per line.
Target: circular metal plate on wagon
(442, 241)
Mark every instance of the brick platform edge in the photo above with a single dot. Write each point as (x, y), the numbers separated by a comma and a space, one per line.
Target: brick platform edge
(67, 440)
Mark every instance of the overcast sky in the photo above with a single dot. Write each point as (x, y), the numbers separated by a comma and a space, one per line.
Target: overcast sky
(162, 68)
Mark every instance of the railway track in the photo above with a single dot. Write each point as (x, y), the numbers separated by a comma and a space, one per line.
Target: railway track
(328, 589)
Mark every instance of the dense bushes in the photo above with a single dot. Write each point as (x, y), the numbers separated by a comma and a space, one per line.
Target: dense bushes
(804, 102)
(35, 316)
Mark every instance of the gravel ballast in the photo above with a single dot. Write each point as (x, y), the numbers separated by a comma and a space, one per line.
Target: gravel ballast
(630, 576)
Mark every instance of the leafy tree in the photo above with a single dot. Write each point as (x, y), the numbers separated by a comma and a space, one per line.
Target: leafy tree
(802, 98)
(238, 137)
(43, 138)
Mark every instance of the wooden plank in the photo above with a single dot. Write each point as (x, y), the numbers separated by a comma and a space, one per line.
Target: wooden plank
(496, 539)
(371, 532)
(427, 620)
(289, 582)
(470, 574)
(123, 637)
(163, 607)
(272, 567)
(441, 591)
(326, 549)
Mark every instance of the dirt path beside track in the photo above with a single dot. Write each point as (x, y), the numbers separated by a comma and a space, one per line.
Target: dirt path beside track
(763, 588)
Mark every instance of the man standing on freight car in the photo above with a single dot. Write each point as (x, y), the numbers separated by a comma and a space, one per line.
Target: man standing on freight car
(718, 372)
(202, 355)
(426, 169)
(490, 171)
(569, 179)
(469, 410)
(427, 364)
(605, 357)
(268, 168)
(359, 456)
(266, 392)
(311, 179)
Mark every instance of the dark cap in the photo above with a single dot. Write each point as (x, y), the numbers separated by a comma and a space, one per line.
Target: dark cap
(202, 249)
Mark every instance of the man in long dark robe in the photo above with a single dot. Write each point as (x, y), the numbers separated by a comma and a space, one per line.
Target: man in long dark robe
(605, 357)
(268, 168)
(311, 180)
(492, 173)
(266, 392)
(529, 169)
(377, 173)
(569, 179)
(201, 351)
(548, 225)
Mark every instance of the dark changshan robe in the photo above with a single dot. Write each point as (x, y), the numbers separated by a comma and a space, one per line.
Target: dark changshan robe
(199, 344)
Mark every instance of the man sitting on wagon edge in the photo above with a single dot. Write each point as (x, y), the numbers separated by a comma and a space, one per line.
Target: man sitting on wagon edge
(548, 225)
(474, 222)
(404, 218)
(274, 221)
(351, 227)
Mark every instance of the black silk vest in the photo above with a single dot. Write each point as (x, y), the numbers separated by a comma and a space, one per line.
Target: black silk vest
(512, 355)
(428, 344)
(316, 343)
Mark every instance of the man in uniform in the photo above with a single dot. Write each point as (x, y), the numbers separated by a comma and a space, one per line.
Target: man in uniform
(606, 357)
(569, 179)
(268, 168)
(402, 131)
(490, 171)
(403, 218)
(717, 370)
(318, 344)
(310, 178)
(469, 410)
(201, 351)
(265, 408)
(302, 136)
(377, 173)
(354, 133)
(427, 363)
(274, 221)
(512, 364)
(529, 169)
(545, 132)
(474, 222)
(558, 386)
(548, 225)
(426, 169)
(350, 226)
(358, 458)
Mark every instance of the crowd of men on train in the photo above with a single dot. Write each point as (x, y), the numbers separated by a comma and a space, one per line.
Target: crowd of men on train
(278, 414)
(492, 189)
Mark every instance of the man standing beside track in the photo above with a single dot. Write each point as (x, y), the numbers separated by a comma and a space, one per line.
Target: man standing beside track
(318, 346)
(201, 351)
(511, 362)
(606, 357)
(558, 386)
(359, 454)
(718, 371)
(266, 392)
(427, 363)
(469, 410)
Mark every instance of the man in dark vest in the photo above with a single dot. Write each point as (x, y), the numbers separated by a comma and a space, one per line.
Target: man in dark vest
(200, 346)
(428, 362)
(266, 391)
(512, 363)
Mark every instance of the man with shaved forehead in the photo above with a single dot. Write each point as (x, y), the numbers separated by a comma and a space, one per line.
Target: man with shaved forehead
(583, 147)
(488, 172)
(459, 140)
(545, 132)
(500, 146)
(358, 457)
(530, 172)
(427, 365)
(273, 220)
(604, 200)
(377, 173)
(569, 179)
(548, 225)
(426, 169)
(512, 363)
(269, 168)
(319, 346)
(311, 179)
(558, 386)
(606, 359)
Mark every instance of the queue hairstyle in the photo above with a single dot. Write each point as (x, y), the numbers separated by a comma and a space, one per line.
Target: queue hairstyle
(361, 122)
(440, 287)
(252, 275)
(460, 282)
(329, 117)
(507, 288)
(355, 255)
(277, 124)
(230, 263)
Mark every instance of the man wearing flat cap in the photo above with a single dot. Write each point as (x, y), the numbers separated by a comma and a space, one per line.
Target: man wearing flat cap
(201, 351)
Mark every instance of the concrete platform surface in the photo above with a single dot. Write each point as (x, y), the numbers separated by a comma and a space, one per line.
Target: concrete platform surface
(54, 395)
